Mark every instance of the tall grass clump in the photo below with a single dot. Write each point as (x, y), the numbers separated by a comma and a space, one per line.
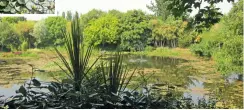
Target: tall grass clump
(77, 68)
(115, 75)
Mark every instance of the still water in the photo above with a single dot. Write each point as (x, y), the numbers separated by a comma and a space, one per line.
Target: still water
(193, 79)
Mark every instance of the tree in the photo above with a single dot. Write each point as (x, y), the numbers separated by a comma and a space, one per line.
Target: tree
(69, 16)
(13, 19)
(159, 8)
(27, 6)
(41, 34)
(24, 29)
(63, 15)
(224, 42)
(55, 26)
(91, 15)
(205, 17)
(167, 32)
(8, 37)
(115, 13)
(134, 30)
(230, 57)
(101, 31)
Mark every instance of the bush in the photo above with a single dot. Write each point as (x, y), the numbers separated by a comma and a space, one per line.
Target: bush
(187, 39)
(24, 46)
(149, 48)
(210, 43)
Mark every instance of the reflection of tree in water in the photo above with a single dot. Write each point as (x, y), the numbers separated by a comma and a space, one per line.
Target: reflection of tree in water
(164, 71)
(228, 95)
(152, 62)
(11, 75)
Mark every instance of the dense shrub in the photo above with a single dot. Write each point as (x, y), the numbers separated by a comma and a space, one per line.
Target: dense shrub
(149, 48)
(24, 46)
(187, 39)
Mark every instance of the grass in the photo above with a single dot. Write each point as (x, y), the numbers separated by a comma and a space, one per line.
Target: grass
(168, 52)
(27, 54)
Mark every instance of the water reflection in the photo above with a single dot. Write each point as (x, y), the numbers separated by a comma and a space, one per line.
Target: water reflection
(187, 80)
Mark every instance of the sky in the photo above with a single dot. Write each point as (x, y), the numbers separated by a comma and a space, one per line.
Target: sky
(83, 6)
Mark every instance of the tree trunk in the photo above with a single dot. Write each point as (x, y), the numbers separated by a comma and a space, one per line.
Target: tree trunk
(161, 44)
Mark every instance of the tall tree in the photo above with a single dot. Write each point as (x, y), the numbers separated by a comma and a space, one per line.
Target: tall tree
(90, 16)
(8, 37)
(55, 26)
(115, 13)
(160, 8)
(101, 31)
(63, 15)
(206, 16)
(41, 35)
(24, 29)
(134, 30)
(230, 57)
(69, 15)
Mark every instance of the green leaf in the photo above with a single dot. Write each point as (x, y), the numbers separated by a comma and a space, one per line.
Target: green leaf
(36, 82)
(52, 89)
(92, 95)
(7, 9)
(22, 90)
(3, 3)
(22, 2)
(128, 100)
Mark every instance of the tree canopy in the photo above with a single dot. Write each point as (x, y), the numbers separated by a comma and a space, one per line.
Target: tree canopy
(56, 26)
(134, 30)
(103, 30)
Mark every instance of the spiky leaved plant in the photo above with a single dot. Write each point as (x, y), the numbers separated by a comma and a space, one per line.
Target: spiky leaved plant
(116, 76)
(76, 68)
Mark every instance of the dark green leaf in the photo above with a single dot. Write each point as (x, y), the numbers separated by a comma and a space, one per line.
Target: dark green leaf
(36, 82)
(22, 90)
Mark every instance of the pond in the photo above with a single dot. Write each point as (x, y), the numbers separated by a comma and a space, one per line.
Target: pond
(195, 79)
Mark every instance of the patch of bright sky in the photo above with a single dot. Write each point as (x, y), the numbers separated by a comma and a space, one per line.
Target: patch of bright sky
(83, 6)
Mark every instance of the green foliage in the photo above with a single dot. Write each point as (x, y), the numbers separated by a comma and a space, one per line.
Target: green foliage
(69, 16)
(24, 46)
(159, 8)
(90, 16)
(168, 32)
(187, 38)
(41, 35)
(115, 75)
(12, 19)
(149, 48)
(55, 27)
(224, 42)
(28, 7)
(8, 37)
(101, 31)
(79, 57)
(25, 30)
(115, 13)
(205, 17)
(134, 30)
(208, 44)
